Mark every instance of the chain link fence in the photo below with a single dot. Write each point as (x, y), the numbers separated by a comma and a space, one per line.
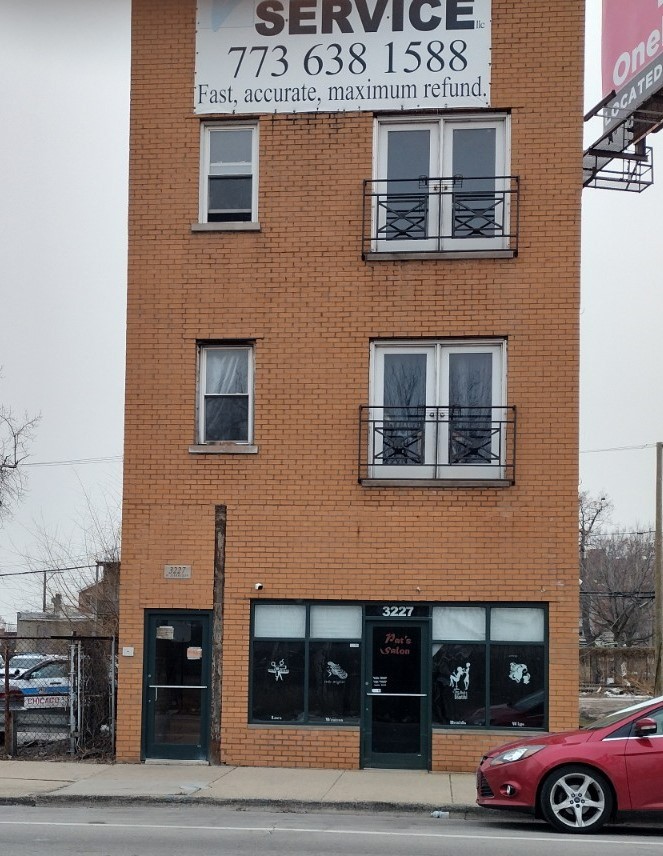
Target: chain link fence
(57, 697)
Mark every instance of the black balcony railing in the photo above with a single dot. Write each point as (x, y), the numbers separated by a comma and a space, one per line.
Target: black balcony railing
(454, 442)
(438, 215)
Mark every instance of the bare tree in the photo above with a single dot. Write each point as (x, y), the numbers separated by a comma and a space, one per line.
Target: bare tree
(15, 436)
(618, 587)
(79, 573)
(593, 513)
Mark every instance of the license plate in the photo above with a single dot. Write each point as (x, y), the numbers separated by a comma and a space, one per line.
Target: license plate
(45, 701)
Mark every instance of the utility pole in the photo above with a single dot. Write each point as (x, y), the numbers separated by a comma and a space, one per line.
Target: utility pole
(658, 573)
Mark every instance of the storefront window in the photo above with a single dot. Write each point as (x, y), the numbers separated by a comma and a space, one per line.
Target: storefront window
(334, 682)
(278, 681)
(459, 684)
(488, 665)
(306, 664)
(498, 682)
(517, 686)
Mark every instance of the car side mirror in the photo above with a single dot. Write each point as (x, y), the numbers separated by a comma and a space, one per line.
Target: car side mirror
(645, 727)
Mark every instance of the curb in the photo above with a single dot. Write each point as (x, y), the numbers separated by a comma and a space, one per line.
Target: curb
(284, 805)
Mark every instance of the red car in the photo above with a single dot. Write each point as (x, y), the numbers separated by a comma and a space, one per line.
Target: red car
(578, 780)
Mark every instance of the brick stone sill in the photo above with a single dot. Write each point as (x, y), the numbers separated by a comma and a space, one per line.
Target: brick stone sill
(223, 449)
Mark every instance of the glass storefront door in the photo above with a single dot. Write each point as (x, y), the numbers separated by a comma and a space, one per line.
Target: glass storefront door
(396, 717)
(177, 685)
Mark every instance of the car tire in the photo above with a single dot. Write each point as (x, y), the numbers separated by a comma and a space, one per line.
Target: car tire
(576, 799)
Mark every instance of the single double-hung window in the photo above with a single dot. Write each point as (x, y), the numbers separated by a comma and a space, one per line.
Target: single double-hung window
(229, 174)
(225, 408)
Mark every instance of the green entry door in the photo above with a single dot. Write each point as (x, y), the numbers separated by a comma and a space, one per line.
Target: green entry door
(177, 685)
(396, 712)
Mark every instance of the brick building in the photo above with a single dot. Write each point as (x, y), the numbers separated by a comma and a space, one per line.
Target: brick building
(349, 533)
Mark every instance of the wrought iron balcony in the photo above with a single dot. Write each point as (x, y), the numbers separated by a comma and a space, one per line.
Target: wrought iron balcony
(437, 443)
(441, 215)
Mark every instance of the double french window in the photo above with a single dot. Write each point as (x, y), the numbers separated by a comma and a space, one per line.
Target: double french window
(438, 411)
(441, 185)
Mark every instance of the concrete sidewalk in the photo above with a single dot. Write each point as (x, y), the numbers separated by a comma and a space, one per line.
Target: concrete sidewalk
(42, 782)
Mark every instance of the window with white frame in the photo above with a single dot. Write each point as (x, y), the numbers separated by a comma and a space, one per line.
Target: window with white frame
(229, 172)
(438, 410)
(441, 185)
(225, 406)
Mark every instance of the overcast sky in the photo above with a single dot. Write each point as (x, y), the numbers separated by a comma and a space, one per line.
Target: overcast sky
(64, 89)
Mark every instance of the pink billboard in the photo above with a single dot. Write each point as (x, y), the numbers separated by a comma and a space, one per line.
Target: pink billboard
(632, 40)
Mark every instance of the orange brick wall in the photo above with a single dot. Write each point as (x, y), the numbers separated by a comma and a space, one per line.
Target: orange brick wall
(297, 519)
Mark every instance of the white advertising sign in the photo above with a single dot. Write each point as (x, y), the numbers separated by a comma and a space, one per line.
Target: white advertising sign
(294, 56)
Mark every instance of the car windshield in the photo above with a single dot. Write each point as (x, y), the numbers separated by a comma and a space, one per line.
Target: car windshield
(24, 662)
(618, 715)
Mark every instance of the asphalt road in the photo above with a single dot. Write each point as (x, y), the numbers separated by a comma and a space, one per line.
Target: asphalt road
(212, 831)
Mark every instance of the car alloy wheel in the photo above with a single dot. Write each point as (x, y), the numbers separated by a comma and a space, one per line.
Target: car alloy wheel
(576, 799)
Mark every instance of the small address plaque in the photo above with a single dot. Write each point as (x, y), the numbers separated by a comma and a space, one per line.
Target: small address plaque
(177, 572)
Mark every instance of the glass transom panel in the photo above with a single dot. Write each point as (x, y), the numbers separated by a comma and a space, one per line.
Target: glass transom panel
(280, 621)
(459, 622)
(517, 624)
(336, 622)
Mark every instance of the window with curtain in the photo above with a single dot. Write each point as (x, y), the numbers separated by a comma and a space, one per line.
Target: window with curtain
(438, 409)
(226, 389)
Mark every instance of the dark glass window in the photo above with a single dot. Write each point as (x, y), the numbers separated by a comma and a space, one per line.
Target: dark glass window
(334, 682)
(227, 418)
(489, 666)
(230, 198)
(278, 681)
(517, 686)
(459, 684)
(306, 663)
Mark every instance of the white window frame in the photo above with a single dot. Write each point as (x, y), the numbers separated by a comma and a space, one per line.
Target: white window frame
(203, 349)
(436, 386)
(439, 145)
(207, 129)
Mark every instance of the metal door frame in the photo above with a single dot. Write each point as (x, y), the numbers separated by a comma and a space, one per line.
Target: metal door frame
(397, 760)
(149, 748)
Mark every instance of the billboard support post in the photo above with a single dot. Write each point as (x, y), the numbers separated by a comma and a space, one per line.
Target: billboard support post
(658, 572)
